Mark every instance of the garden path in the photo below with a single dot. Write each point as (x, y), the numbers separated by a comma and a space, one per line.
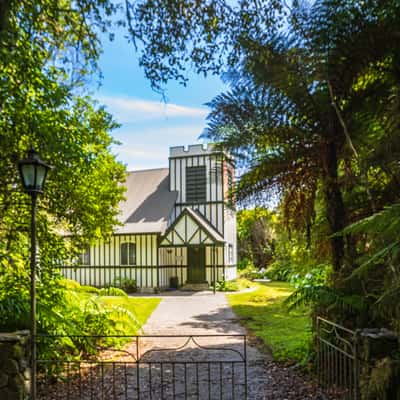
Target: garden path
(205, 313)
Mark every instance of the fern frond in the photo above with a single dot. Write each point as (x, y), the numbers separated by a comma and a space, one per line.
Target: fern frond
(326, 297)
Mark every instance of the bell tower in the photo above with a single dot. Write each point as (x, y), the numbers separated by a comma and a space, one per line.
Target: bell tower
(203, 177)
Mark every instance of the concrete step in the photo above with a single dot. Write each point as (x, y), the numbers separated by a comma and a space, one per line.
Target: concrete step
(195, 287)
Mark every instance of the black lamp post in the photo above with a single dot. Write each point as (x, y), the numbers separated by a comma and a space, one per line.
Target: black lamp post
(33, 173)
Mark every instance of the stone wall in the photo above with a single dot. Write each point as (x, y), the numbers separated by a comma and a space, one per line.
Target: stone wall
(380, 369)
(14, 366)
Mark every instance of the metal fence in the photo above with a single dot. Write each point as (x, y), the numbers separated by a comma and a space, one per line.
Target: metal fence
(337, 360)
(147, 367)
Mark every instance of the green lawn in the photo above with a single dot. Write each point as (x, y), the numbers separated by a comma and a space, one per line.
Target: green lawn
(142, 308)
(286, 334)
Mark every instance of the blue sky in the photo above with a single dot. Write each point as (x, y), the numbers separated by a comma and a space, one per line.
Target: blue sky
(149, 125)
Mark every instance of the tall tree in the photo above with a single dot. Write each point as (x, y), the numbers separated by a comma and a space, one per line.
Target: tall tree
(297, 104)
(47, 50)
(256, 236)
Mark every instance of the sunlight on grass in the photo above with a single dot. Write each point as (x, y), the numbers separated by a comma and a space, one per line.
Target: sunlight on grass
(142, 308)
(286, 334)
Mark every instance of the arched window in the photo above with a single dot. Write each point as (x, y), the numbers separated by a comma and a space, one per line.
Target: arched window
(128, 253)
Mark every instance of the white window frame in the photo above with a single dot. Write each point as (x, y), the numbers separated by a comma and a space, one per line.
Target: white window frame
(130, 256)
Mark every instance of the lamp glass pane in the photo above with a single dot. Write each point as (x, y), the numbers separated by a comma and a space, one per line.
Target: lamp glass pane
(40, 176)
(28, 175)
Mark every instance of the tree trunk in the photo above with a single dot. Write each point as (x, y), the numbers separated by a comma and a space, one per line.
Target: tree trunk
(335, 209)
(5, 7)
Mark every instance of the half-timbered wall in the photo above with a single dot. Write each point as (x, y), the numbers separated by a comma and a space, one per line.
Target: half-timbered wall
(213, 207)
(104, 266)
(155, 266)
(173, 263)
(219, 206)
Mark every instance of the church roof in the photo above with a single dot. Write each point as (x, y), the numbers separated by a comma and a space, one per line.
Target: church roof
(149, 202)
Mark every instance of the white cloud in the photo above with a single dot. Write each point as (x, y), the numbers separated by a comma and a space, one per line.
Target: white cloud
(128, 110)
(149, 147)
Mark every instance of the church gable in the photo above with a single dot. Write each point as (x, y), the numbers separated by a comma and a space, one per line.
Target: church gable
(190, 228)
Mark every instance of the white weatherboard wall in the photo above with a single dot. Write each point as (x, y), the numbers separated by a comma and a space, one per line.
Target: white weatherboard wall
(173, 262)
(105, 262)
(230, 237)
(229, 222)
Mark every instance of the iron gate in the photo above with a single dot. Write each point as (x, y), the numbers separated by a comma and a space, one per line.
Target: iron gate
(337, 360)
(147, 367)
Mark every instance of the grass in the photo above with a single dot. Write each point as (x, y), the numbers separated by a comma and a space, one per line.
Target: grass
(129, 313)
(142, 308)
(234, 286)
(286, 334)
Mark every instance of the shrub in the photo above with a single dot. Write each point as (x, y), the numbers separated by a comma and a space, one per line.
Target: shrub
(250, 272)
(70, 284)
(279, 271)
(112, 291)
(63, 308)
(126, 284)
(226, 286)
(77, 287)
(89, 289)
(312, 289)
(244, 263)
(317, 276)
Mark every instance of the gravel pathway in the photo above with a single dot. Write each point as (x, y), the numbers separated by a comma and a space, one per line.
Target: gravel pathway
(186, 367)
(193, 313)
(203, 313)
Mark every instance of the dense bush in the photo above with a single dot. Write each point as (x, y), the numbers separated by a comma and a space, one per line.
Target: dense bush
(317, 276)
(249, 272)
(255, 233)
(243, 263)
(227, 286)
(279, 270)
(126, 284)
(63, 308)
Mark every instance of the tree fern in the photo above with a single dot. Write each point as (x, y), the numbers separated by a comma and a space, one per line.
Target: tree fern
(327, 298)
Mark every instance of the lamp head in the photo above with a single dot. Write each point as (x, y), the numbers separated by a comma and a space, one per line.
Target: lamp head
(33, 172)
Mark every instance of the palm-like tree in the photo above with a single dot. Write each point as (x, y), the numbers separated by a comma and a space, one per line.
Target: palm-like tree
(301, 104)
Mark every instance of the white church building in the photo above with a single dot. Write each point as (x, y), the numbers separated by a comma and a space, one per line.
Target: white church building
(179, 226)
